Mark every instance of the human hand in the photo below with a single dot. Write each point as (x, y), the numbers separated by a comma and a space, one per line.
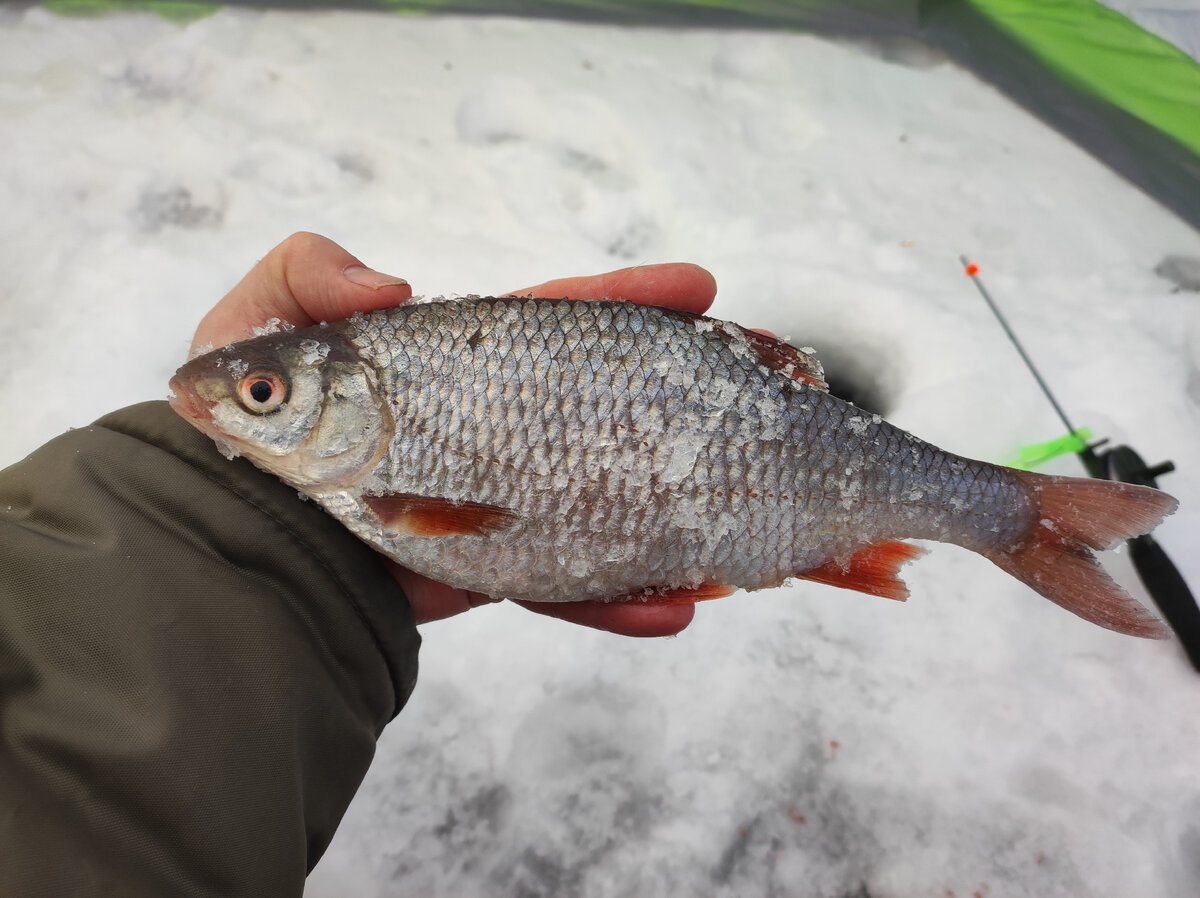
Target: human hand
(308, 279)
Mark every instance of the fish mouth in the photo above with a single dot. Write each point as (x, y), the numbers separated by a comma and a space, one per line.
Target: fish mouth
(187, 404)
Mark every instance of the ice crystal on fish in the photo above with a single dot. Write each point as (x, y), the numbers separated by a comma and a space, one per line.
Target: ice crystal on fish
(314, 351)
(272, 326)
(227, 449)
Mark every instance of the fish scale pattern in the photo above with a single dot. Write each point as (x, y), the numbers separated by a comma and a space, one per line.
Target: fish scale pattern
(639, 448)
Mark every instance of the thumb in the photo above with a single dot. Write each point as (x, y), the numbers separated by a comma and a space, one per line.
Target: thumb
(304, 280)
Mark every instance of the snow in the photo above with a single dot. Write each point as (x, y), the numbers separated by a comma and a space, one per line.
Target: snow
(798, 741)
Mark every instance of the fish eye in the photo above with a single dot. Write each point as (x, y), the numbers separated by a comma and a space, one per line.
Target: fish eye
(262, 391)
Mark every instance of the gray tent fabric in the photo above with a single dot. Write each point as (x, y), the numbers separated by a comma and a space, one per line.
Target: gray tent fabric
(1160, 166)
(1177, 21)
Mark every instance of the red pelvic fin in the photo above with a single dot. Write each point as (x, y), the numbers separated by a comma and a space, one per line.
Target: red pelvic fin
(874, 570)
(1076, 515)
(777, 355)
(435, 516)
(681, 595)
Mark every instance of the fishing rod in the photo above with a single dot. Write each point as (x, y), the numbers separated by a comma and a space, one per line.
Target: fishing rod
(1157, 572)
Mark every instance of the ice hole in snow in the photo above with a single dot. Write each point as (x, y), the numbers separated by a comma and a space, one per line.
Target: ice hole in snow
(859, 373)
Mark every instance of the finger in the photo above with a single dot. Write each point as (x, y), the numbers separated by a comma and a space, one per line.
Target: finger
(623, 618)
(675, 285)
(431, 600)
(304, 280)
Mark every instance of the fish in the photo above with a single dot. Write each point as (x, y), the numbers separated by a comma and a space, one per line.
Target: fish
(562, 450)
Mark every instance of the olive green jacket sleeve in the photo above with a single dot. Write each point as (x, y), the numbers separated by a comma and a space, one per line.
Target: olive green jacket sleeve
(194, 668)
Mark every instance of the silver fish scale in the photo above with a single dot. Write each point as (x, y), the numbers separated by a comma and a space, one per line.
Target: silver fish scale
(641, 448)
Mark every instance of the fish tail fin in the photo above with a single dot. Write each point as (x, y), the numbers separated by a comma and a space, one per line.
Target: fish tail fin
(1075, 516)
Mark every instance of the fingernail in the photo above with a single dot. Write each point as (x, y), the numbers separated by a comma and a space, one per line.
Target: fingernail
(369, 277)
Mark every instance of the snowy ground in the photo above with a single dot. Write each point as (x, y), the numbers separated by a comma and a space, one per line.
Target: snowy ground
(804, 741)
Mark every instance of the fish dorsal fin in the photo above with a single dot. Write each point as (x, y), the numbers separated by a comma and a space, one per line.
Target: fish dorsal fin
(776, 355)
(874, 570)
(437, 516)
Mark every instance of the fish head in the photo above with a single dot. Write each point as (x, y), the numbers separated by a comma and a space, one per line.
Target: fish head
(302, 405)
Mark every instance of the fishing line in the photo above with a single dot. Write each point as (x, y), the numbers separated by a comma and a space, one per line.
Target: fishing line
(1158, 574)
(972, 271)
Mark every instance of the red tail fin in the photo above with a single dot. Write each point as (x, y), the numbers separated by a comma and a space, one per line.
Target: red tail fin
(1077, 515)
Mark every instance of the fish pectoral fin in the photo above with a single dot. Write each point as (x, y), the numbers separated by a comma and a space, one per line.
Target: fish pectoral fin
(415, 515)
(874, 570)
(678, 595)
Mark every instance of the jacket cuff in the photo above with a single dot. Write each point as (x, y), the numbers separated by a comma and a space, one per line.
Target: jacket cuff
(350, 568)
(195, 666)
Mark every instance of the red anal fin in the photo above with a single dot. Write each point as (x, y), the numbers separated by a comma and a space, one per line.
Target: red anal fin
(680, 595)
(778, 356)
(437, 516)
(874, 570)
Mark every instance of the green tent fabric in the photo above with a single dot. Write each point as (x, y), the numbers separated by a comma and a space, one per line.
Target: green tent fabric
(1126, 96)
(1101, 52)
